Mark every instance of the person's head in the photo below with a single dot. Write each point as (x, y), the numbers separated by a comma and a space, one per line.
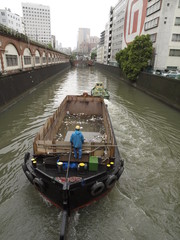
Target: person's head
(77, 128)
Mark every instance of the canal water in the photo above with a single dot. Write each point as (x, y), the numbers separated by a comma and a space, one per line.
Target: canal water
(145, 202)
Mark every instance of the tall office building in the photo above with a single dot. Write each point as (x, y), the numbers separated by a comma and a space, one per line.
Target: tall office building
(83, 40)
(37, 22)
(11, 20)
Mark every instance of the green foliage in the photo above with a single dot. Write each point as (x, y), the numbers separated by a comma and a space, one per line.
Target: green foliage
(73, 56)
(49, 46)
(93, 55)
(133, 59)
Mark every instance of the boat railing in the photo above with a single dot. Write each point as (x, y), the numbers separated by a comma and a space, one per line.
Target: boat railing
(61, 147)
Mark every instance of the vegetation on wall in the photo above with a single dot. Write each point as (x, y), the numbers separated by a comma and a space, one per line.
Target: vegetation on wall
(24, 38)
(133, 59)
(93, 55)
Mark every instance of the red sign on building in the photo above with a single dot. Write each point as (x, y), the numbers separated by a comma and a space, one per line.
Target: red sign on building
(134, 19)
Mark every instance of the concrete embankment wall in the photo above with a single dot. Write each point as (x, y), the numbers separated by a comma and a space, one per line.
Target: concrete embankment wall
(14, 86)
(164, 89)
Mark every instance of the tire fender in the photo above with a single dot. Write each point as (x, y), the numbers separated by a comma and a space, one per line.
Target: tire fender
(111, 181)
(39, 184)
(26, 157)
(29, 176)
(24, 167)
(97, 188)
(119, 172)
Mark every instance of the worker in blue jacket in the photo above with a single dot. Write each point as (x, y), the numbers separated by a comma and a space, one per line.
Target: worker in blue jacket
(77, 139)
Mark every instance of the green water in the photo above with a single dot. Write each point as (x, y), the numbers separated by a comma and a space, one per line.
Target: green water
(144, 204)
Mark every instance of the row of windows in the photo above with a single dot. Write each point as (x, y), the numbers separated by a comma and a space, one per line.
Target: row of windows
(10, 22)
(176, 37)
(151, 24)
(14, 17)
(154, 23)
(117, 36)
(3, 14)
(43, 19)
(12, 60)
(153, 8)
(31, 27)
(38, 23)
(36, 34)
(174, 52)
(47, 10)
(37, 15)
(38, 12)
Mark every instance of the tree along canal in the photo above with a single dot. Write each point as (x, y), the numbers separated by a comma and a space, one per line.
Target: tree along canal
(144, 204)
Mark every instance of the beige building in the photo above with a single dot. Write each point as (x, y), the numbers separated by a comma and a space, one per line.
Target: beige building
(83, 40)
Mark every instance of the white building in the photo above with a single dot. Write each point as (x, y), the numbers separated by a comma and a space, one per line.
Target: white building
(158, 18)
(100, 54)
(37, 22)
(117, 28)
(100, 48)
(114, 32)
(11, 20)
(106, 43)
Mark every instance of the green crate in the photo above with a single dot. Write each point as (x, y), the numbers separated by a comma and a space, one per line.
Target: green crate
(93, 163)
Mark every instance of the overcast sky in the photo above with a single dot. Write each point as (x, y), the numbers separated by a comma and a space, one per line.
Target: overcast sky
(67, 16)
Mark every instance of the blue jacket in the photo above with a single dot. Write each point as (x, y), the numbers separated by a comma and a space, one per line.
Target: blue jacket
(77, 139)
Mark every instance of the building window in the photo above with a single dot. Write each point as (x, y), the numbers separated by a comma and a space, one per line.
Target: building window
(44, 59)
(151, 24)
(27, 60)
(177, 21)
(153, 37)
(176, 37)
(37, 60)
(153, 8)
(11, 60)
(172, 67)
(174, 52)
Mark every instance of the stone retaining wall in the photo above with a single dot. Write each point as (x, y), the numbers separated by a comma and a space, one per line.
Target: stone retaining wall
(13, 86)
(164, 89)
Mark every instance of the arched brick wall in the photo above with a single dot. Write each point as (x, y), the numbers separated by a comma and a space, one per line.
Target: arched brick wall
(21, 45)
